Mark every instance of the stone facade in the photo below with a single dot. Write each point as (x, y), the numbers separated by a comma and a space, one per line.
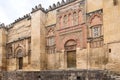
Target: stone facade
(72, 34)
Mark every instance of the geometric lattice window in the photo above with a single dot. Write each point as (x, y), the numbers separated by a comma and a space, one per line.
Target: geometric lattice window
(96, 31)
(50, 41)
(51, 45)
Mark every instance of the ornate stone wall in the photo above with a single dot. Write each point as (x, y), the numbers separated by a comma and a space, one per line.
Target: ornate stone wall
(13, 54)
(71, 30)
(95, 38)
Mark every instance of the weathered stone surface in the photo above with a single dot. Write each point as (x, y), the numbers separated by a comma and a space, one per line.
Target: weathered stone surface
(58, 75)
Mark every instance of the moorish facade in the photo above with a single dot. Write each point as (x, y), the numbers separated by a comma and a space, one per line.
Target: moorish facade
(72, 34)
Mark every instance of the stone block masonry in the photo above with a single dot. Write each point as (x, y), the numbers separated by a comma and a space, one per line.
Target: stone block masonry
(57, 75)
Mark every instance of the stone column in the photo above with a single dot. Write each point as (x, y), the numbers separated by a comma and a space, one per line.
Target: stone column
(3, 39)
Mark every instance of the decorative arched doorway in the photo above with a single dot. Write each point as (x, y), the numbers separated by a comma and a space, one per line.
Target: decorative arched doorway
(20, 58)
(70, 49)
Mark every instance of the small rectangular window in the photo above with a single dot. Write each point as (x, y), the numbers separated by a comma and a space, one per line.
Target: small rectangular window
(109, 50)
(115, 2)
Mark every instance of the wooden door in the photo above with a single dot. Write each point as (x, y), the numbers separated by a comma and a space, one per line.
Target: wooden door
(20, 63)
(71, 59)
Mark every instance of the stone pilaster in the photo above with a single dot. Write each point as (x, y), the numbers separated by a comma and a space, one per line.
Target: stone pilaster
(3, 47)
(88, 55)
(38, 40)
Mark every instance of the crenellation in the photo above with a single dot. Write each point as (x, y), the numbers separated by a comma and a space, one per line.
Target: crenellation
(2, 25)
(50, 8)
(43, 9)
(54, 6)
(47, 10)
(33, 9)
(10, 25)
(38, 7)
(19, 18)
(63, 2)
(58, 4)
(24, 17)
